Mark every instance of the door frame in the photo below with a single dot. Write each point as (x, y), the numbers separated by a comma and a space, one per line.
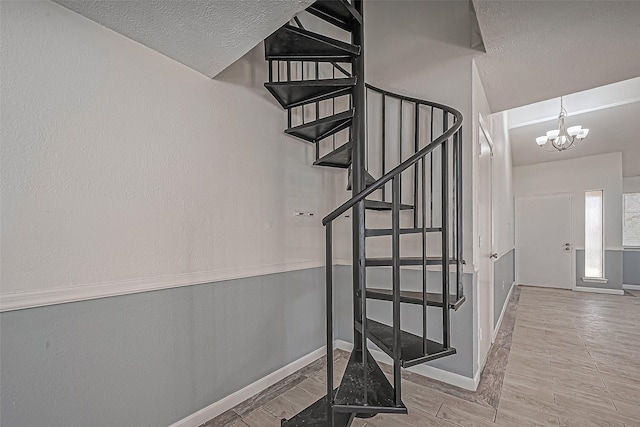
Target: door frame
(571, 232)
(482, 129)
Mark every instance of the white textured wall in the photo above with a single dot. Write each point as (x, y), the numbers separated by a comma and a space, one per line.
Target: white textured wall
(631, 184)
(121, 164)
(575, 176)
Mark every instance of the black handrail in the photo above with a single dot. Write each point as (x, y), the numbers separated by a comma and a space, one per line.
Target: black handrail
(376, 185)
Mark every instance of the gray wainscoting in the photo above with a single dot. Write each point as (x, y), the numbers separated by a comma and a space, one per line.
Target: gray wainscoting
(504, 275)
(631, 267)
(153, 358)
(612, 270)
(411, 316)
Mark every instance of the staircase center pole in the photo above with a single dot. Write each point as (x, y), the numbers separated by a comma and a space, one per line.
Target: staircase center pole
(358, 184)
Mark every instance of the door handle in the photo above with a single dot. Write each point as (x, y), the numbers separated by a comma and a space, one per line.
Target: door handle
(495, 255)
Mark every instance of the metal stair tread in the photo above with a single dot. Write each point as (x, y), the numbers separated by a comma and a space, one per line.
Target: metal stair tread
(338, 158)
(322, 128)
(317, 415)
(299, 92)
(293, 43)
(380, 393)
(337, 12)
(378, 205)
(434, 299)
(411, 345)
(374, 232)
(383, 262)
(368, 179)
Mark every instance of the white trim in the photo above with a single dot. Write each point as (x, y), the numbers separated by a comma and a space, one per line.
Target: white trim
(595, 280)
(599, 290)
(22, 300)
(496, 328)
(631, 287)
(606, 248)
(575, 113)
(202, 416)
(466, 269)
(457, 380)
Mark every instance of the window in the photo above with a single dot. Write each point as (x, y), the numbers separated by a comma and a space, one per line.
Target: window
(631, 219)
(593, 238)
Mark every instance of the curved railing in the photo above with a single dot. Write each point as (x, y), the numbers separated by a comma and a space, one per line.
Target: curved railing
(455, 129)
(448, 142)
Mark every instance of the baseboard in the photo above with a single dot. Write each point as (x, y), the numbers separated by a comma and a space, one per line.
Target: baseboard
(504, 309)
(631, 287)
(22, 300)
(599, 290)
(424, 370)
(223, 405)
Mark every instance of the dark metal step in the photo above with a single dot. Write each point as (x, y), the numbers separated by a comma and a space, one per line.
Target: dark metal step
(412, 350)
(337, 12)
(292, 43)
(322, 128)
(374, 232)
(295, 93)
(380, 393)
(338, 158)
(386, 262)
(377, 205)
(412, 297)
(368, 179)
(317, 415)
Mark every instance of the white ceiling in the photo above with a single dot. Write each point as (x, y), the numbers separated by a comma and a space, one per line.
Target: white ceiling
(538, 50)
(206, 35)
(612, 114)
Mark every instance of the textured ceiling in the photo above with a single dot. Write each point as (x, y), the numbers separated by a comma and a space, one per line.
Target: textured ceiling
(610, 113)
(538, 50)
(204, 35)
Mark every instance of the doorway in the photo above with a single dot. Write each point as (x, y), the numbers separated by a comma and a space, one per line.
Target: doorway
(485, 244)
(544, 241)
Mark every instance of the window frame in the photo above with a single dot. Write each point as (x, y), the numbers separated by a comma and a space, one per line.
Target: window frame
(623, 215)
(601, 279)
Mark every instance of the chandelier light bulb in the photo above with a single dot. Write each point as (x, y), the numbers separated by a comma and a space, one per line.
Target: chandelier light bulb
(574, 130)
(541, 140)
(583, 133)
(553, 134)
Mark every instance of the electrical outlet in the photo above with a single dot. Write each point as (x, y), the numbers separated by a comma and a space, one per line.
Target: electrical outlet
(503, 285)
(480, 334)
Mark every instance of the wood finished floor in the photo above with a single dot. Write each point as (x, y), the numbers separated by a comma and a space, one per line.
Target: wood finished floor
(572, 359)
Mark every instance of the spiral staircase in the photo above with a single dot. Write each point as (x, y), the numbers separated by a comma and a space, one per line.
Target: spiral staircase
(415, 147)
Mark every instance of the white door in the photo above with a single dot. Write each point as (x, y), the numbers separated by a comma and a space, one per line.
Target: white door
(485, 246)
(543, 240)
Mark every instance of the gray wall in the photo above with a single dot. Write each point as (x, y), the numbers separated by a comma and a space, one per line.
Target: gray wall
(504, 275)
(612, 270)
(153, 358)
(631, 267)
(411, 316)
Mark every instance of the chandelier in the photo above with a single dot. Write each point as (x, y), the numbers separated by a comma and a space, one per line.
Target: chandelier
(563, 138)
